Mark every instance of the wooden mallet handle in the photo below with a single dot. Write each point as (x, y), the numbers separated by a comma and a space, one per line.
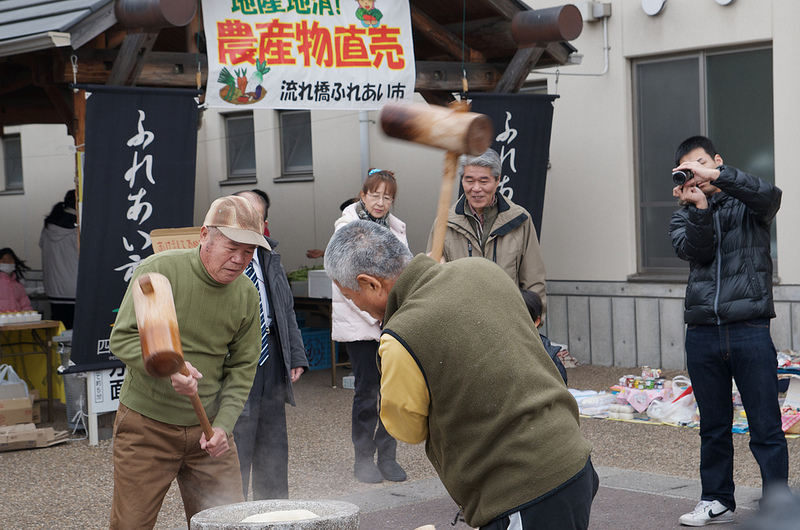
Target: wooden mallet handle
(162, 352)
(445, 193)
(197, 405)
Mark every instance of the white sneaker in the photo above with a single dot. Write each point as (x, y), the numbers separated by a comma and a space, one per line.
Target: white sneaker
(707, 512)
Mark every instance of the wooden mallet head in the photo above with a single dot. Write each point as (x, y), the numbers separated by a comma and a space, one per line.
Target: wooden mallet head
(162, 352)
(453, 129)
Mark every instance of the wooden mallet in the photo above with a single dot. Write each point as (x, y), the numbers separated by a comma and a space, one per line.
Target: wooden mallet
(453, 129)
(162, 352)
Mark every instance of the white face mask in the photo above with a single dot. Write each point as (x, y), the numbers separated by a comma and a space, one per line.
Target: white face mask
(8, 268)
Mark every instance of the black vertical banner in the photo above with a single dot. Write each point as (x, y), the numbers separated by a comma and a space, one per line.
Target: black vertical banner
(522, 125)
(139, 174)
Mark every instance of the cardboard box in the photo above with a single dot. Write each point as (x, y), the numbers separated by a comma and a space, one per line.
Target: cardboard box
(16, 410)
(171, 238)
(36, 405)
(319, 284)
(27, 436)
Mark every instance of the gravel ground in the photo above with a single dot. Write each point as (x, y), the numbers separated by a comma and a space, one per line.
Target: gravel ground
(70, 485)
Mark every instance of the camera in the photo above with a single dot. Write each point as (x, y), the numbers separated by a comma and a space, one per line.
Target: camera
(681, 176)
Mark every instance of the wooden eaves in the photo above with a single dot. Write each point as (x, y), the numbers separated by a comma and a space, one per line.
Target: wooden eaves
(452, 39)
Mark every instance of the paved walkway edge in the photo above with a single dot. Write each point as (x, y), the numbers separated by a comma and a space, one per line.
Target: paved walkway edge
(403, 494)
(668, 486)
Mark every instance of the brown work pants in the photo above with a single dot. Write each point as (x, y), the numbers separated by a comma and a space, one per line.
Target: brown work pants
(149, 455)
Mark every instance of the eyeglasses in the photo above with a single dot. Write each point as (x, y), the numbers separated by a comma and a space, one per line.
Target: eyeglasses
(377, 197)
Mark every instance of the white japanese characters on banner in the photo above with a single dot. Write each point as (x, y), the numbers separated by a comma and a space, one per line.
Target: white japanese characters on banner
(308, 54)
(139, 175)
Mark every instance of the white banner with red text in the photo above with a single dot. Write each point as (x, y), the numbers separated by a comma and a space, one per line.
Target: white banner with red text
(308, 54)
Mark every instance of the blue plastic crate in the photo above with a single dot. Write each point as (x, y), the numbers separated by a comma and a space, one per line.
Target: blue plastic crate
(317, 342)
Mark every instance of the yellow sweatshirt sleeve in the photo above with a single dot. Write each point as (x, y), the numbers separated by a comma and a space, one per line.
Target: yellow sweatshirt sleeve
(404, 395)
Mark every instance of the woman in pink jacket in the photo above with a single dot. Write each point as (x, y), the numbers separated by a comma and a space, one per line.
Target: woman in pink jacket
(360, 333)
(12, 291)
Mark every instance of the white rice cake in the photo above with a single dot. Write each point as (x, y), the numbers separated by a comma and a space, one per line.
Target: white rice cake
(280, 516)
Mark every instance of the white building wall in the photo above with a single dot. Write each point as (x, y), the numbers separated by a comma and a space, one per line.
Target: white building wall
(593, 141)
(302, 214)
(48, 166)
(589, 238)
(786, 43)
(590, 200)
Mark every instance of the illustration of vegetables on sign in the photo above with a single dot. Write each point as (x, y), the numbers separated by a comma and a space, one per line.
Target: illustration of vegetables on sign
(241, 90)
(367, 14)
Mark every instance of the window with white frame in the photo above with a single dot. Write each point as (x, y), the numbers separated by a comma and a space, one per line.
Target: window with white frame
(241, 146)
(12, 162)
(724, 95)
(296, 152)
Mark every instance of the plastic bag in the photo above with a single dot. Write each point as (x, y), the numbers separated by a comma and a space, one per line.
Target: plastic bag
(680, 383)
(9, 377)
(595, 404)
(682, 411)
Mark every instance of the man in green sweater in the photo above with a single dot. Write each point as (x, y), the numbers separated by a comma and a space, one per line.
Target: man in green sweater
(157, 436)
(463, 369)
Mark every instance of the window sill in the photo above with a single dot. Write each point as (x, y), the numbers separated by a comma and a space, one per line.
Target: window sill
(12, 192)
(239, 181)
(676, 277)
(293, 178)
(659, 277)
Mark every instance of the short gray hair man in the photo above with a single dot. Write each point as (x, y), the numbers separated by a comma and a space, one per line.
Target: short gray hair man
(489, 159)
(364, 247)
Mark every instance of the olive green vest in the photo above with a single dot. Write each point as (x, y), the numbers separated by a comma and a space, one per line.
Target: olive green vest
(503, 428)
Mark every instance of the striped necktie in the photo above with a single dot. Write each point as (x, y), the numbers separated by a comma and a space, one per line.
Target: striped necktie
(251, 273)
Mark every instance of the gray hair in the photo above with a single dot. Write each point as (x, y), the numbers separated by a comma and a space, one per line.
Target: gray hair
(213, 234)
(489, 159)
(364, 247)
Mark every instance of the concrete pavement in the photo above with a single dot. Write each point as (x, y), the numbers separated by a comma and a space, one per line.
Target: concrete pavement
(626, 500)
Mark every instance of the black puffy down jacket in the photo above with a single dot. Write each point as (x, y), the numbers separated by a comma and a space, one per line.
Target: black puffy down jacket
(727, 246)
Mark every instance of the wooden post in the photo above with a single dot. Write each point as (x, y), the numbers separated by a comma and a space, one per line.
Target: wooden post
(79, 136)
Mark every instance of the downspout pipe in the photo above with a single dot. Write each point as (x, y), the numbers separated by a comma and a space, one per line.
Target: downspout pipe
(363, 135)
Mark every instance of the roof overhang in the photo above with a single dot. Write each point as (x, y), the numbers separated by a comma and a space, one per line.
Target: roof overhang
(32, 43)
(457, 47)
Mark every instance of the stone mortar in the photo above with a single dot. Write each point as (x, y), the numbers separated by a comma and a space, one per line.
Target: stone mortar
(333, 515)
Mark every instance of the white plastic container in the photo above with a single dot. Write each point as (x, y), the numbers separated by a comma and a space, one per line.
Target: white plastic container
(319, 285)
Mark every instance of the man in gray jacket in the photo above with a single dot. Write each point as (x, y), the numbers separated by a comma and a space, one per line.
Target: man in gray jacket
(484, 223)
(723, 231)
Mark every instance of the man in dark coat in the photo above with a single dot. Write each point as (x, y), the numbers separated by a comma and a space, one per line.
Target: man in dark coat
(260, 432)
(723, 231)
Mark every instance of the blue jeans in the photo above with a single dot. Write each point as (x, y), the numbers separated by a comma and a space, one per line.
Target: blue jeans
(745, 351)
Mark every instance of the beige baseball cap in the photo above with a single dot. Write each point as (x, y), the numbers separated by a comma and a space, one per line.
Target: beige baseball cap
(236, 218)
